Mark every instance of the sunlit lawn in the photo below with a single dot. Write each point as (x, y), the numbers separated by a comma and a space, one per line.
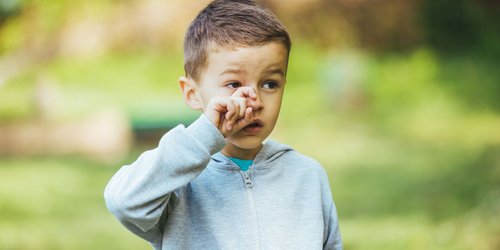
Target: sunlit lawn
(57, 204)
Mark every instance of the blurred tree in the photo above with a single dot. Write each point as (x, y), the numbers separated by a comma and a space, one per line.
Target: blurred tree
(8, 8)
(390, 25)
(387, 25)
(383, 25)
(459, 26)
(451, 25)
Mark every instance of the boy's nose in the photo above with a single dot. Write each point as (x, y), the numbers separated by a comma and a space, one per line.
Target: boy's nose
(256, 103)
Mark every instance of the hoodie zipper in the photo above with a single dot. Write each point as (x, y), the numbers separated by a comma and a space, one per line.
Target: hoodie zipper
(253, 213)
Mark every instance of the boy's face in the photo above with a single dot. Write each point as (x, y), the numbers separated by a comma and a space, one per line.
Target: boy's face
(262, 68)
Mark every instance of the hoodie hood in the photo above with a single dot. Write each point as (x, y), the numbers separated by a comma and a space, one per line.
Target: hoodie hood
(269, 152)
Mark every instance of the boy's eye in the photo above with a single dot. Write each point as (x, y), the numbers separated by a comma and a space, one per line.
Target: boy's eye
(270, 85)
(233, 85)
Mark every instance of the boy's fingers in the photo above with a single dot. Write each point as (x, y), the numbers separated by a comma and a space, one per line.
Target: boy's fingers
(230, 108)
(242, 105)
(214, 109)
(229, 114)
(249, 115)
(245, 92)
(237, 109)
(220, 111)
(232, 113)
(234, 110)
(247, 119)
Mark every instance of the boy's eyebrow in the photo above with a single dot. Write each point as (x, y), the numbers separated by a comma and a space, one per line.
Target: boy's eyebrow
(268, 72)
(231, 71)
(276, 71)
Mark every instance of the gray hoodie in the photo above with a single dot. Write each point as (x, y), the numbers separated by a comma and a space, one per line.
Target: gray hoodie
(185, 194)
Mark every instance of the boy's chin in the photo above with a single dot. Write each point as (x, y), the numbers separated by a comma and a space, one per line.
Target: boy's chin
(245, 143)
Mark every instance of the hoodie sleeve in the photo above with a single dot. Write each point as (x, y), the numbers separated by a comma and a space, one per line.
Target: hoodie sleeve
(140, 194)
(332, 236)
(333, 239)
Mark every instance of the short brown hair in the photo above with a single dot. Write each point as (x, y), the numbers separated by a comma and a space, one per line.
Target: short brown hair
(226, 23)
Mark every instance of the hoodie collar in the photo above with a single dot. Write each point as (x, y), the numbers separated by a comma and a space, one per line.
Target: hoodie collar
(269, 152)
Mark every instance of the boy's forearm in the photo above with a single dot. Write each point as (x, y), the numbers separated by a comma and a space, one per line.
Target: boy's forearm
(138, 193)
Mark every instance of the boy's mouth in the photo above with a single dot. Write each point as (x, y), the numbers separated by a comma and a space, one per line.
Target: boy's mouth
(254, 127)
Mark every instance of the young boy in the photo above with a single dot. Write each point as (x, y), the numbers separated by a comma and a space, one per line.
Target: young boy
(215, 184)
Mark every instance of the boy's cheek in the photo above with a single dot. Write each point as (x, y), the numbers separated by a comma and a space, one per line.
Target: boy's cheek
(223, 94)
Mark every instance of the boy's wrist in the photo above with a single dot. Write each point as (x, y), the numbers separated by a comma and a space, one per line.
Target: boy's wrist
(205, 132)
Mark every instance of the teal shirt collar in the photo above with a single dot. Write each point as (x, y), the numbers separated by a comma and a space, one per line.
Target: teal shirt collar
(243, 164)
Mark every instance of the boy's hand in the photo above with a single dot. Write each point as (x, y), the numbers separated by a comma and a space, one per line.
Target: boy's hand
(231, 113)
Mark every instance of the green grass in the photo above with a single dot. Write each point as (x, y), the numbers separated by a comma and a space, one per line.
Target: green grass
(57, 203)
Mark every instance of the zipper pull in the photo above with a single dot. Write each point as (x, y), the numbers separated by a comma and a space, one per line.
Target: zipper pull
(248, 180)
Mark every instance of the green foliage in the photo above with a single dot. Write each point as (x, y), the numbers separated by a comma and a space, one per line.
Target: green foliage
(462, 26)
(17, 100)
(9, 8)
(141, 83)
(473, 80)
(451, 25)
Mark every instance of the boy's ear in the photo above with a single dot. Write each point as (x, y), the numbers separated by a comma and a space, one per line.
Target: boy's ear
(191, 98)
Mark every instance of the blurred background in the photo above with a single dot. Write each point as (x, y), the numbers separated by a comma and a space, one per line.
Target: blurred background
(399, 100)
